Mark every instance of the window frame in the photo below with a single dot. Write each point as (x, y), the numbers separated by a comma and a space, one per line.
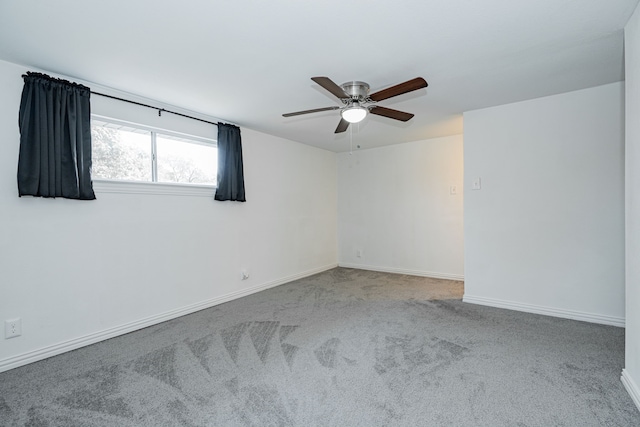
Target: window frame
(103, 185)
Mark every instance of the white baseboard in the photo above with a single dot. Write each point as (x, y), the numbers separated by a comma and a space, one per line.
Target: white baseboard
(631, 386)
(548, 311)
(63, 347)
(421, 273)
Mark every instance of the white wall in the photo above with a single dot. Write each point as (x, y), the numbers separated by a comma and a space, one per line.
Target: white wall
(394, 204)
(545, 233)
(631, 373)
(81, 271)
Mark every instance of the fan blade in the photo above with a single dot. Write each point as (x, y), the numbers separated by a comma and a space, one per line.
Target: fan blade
(342, 126)
(408, 86)
(329, 85)
(317, 110)
(392, 114)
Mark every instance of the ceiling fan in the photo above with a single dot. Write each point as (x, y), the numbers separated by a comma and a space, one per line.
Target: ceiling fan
(357, 102)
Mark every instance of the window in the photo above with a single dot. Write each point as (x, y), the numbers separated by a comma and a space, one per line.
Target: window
(183, 160)
(125, 152)
(120, 153)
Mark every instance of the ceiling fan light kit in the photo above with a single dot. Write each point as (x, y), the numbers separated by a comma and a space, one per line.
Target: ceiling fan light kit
(357, 102)
(354, 114)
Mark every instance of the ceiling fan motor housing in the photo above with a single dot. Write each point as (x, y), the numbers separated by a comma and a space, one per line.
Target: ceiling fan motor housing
(356, 90)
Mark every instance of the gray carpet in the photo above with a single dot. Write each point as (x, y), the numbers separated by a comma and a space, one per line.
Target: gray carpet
(341, 348)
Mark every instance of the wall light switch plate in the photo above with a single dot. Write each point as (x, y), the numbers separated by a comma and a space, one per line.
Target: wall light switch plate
(476, 184)
(453, 190)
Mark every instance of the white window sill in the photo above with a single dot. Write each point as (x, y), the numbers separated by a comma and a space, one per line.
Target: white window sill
(157, 188)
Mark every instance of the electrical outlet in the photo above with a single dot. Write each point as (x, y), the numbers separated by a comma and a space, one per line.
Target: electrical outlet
(12, 328)
(244, 275)
(359, 253)
(453, 190)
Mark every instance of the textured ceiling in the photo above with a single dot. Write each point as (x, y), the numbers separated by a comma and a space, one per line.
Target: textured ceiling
(250, 61)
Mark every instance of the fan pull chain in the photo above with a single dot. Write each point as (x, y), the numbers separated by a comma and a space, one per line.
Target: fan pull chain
(351, 140)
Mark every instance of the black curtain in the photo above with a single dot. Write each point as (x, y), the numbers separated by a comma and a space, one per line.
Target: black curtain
(230, 171)
(55, 139)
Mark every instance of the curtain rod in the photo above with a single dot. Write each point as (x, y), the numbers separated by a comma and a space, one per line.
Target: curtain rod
(160, 110)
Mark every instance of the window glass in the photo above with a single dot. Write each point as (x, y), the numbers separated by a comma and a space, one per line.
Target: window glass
(119, 153)
(181, 160)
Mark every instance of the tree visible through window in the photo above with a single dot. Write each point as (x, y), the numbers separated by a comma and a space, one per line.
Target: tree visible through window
(180, 161)
(120, 154)
(126, 153)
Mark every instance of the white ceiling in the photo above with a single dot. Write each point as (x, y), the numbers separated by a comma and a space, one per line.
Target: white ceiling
(249, 61)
